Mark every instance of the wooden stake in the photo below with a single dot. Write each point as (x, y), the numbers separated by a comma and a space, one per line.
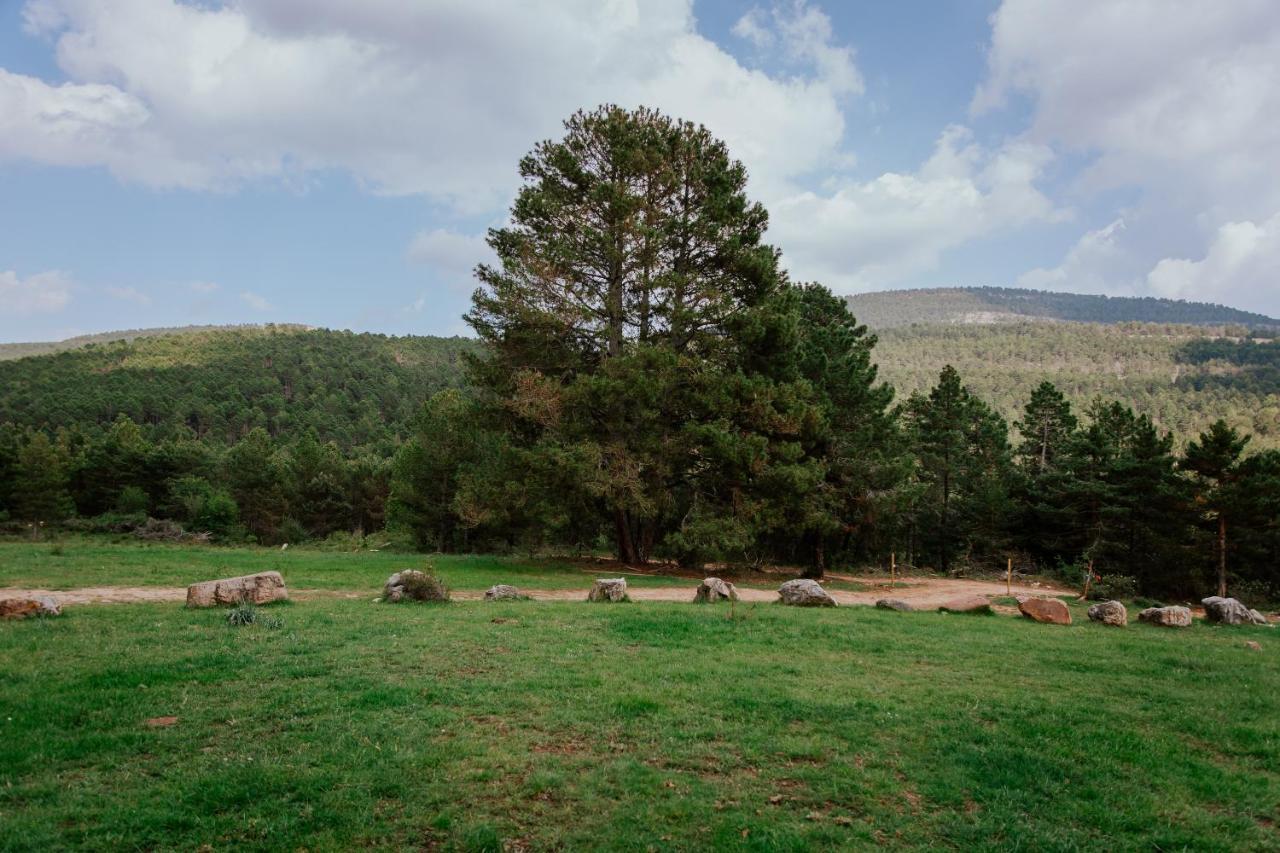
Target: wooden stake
(1008, 578)
(893, 569)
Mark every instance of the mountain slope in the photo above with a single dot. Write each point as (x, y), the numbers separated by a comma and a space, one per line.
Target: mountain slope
(988, 305)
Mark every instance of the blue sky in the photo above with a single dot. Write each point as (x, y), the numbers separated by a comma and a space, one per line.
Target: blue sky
(337, 164)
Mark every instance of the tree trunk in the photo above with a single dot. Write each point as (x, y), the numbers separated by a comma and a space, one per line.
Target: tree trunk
(626, 545)
(817, 570)
(1222, 555)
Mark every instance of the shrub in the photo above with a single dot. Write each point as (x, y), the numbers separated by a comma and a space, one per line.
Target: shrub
(1108, 587)
(132, 501)
(248, 614)
(424, 587)
(1255, 593)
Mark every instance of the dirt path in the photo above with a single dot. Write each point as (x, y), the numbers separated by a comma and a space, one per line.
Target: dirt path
(921, 592)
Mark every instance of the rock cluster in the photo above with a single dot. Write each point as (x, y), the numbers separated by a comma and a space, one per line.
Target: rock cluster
(21, 608)
(894, 604)
(1052, 611)
(966, 604)
(803, 592)
(1229, 611)
(260, 588)
(608, 589)
(1109, 613)
(503, 592)
(712, 590)
(1168, 617)
(413, 585)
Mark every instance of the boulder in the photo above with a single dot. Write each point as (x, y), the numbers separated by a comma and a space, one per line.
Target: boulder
(1253, 644)
(608, 589)
(1168, 617)
(413, 585)
(503, 592)
(894, 604)
(712, 590)
(803, 592)
(1052, 611)
(262, 588)
(966, 604)
(1109, 613)
(1229, 611)
(21, 608)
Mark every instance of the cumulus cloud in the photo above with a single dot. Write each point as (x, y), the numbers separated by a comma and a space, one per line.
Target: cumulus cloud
(1089, 267)
(451, 255)
(41, 293)
(874, 233)
(1176, 100)
(255, 301)
(1241, 268)
(129, 294)
(201, 97)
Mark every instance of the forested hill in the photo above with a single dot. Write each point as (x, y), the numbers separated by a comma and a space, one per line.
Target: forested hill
(358, 390)
(22, 350)
(987, 305)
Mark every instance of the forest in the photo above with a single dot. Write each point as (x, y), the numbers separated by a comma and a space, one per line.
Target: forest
(647, 381)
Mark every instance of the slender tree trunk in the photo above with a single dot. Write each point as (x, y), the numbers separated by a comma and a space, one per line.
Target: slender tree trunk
(1222, 555)
(626, 545)
(817, 568)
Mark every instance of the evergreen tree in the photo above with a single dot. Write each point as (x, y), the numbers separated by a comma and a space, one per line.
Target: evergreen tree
(253, 475)
(963, 462)
(40, 482)
(1214, 460)
(641, 345)
(319, 497)
(1046, 427)
(424, 476)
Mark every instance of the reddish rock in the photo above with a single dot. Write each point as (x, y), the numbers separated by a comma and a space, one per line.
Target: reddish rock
(1049, 610)
(966, 604)
(1253, 644)
(1167, 617)
(21, 608)
(162, 722)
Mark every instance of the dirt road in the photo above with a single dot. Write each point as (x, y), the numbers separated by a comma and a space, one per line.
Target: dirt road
(923, 593)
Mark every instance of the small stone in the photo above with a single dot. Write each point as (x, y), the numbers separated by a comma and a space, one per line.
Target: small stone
(504, 592)
(1229, 611)
(608, 589)
(712, 590)
(894, 604)
(1168, 617)
(1110, 613)
(1253, 644)
(966, 604)
(803, 592)
(21, 608)
(260, 588)
(162, 722)
(413, 585)
(1052, 611)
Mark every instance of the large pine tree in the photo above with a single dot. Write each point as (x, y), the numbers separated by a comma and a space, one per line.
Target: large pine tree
(641, 340)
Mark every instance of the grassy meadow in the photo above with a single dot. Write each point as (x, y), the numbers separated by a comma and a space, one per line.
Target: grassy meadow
(541, 725)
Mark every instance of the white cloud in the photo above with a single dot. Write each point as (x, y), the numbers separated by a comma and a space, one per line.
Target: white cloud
(438, 99)
(1176, 100)
(1088, 267)
(41, 293)
(255, 301)
(129, 294)
(452, 256)
(872, 234)
(1240, 268)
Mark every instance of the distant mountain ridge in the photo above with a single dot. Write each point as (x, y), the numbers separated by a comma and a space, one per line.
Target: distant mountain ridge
(988, 305)
(22, 350)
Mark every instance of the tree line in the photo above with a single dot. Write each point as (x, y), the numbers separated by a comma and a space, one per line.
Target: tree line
(648, 381)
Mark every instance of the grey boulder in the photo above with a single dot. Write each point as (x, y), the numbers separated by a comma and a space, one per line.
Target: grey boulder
(712, 590)
(803, 592)
(413, 585)
(1229, 611)
(894, 604)
(1168, 617)
(1109, 613)
(260, 588)
(608, 589)
(503, 592)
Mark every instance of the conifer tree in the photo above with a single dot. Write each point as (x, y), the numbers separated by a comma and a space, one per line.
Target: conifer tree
(1214, 459)
(40, 482)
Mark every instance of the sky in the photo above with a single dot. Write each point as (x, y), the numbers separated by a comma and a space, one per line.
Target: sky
(338, 164)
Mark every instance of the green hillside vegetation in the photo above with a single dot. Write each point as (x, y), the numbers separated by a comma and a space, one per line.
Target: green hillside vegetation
(1183, 377)
(887, 309)
(357, 390)
(22, 350)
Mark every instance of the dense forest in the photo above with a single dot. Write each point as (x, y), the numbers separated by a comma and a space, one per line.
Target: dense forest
(646, 380)
(888, 309)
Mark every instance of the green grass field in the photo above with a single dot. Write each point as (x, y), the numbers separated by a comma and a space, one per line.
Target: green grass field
(537, 725)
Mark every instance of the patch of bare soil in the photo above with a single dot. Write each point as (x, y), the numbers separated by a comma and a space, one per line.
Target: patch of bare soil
(923, 593)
